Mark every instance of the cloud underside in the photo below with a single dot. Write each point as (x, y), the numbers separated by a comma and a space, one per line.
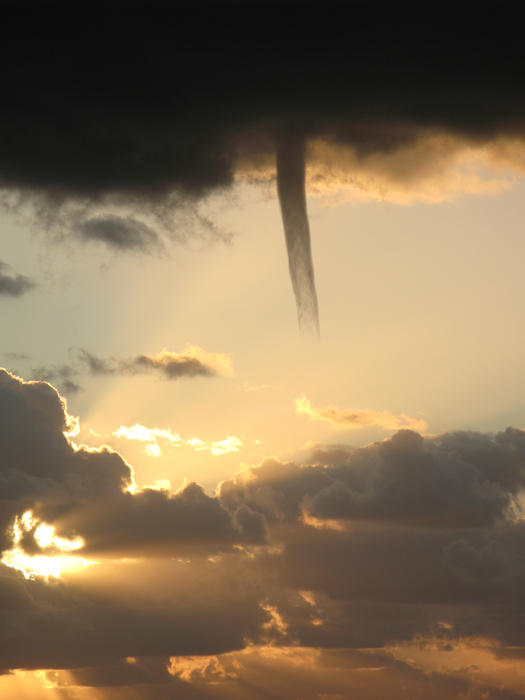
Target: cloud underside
(413, 542)
(93, 135)
(93, 159)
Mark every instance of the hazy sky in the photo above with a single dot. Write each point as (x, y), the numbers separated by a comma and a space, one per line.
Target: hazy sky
(197, 500)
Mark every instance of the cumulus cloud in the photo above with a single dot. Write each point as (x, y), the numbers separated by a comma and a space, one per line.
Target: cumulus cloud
(452, 480)
(358, 419)
(89, 492)
(14, 285)
(430, 548)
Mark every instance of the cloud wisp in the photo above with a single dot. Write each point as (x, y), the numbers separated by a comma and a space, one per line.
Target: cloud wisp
(190, 362)
(155, 438)
(12, 284)
(119, 233)
(362, 418)
(193, 361)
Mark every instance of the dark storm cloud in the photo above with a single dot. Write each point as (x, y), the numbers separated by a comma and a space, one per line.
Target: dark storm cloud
(121, 233)
(165, 102)
(13, 285)
(174, 101)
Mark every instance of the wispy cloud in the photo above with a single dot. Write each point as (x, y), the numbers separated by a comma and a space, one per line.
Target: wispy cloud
(119, 233)
(155, 439)
(192, 361)
(13, 285)
(361, 418)
(219, 447)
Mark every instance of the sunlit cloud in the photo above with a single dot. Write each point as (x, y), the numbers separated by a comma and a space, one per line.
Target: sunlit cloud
(57, 551)
(155, 439)
(362, 418)
(428, 168)
(219, 447)
(150, 437)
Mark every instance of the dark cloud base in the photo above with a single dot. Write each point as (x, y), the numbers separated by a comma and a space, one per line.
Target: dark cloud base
(174, 99)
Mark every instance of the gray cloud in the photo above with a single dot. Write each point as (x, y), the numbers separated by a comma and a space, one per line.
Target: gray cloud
(63, 376)
(12, 284)
(120, 233)
(452, 480)
(192, 361)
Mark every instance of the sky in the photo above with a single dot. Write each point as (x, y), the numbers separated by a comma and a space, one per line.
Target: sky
(262, 427)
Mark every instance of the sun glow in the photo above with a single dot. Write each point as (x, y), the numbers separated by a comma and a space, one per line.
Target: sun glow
(56, 558)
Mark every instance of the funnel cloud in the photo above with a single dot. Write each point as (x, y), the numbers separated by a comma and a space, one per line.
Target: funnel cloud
(292, 198)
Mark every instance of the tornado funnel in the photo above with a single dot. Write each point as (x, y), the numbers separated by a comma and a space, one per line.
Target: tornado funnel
(292, 198)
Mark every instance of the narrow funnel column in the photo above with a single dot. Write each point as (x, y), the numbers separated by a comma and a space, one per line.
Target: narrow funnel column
(292, 198)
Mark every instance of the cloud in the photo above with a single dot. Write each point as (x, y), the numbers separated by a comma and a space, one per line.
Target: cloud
(120, 233)
(92, 145)
(63, 376)
(192, 361)
(151, 437)
(12, 284)
(451, 480)
(431, 167)
(358, 419)
(154, 437)
(219, 447)
(85, 492)
(430, 548)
